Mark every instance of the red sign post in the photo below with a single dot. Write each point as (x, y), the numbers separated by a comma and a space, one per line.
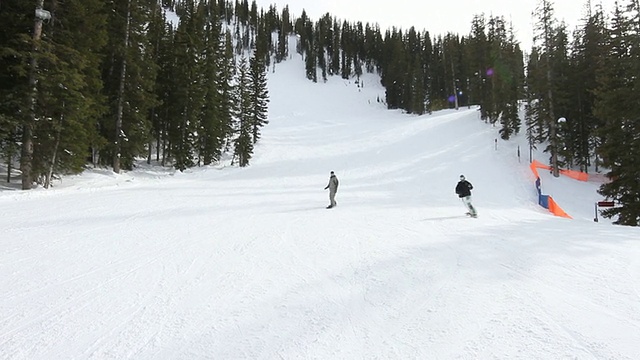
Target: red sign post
(603, 204)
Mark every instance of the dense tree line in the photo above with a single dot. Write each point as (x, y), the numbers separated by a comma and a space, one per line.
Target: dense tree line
(110, 81)
(581, 99)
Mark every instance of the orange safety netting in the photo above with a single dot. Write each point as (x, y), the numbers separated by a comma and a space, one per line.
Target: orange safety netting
(556, 209)
(578, 175)
(548, 202)
(534, 167)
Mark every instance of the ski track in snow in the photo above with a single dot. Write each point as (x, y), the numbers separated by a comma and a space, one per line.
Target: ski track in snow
(227, 263)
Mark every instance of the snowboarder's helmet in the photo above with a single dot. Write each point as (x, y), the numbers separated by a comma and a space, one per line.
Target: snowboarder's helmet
(461, 177)
(332, 173)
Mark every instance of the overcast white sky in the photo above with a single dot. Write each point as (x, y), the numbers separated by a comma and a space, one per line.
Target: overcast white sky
(439, 17)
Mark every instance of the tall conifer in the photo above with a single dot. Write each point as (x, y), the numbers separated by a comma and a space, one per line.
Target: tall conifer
(617, 106)
(243, 144)
(259, 95)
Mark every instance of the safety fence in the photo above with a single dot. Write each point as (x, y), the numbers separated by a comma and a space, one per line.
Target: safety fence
(547, 201)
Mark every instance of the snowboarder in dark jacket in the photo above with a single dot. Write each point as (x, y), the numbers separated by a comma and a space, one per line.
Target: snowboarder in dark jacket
(333, 189)
(463, 189)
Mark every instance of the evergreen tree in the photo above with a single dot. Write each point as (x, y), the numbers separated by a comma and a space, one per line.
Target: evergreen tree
(438, 82)
(357, 36)
(161, 41)
(243, 144)
(562, 105)
(546, 29)
(283, 35)
(211, 132)
(394, 66)
(310, 53)
(229, 97)
(324, 47)
(188, 90)
(586, 59)
(512, 87)
(334, 67)
(535, 80)
(427, 68)
(496, 72)
(16, 44)
(479, 64)
(164, 91)
(531, 117)
(254, 18)
(371, 48)
(50, 87)
(303, 35)
(128, 75)
(70, 95)
(347, 53)
(617, 106)
(259, 95)
(451, 69)
(418, 92)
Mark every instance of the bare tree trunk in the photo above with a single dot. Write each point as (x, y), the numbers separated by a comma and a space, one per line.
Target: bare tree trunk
(123, 75)
(166, 153)
(153, 110)
(9, 164)
(453, 78)
(158, 144)
(552, 118)
(94, 156)
(52, 165)
(26, 157)
(552, 125)
(150, 153)
(47, 181)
